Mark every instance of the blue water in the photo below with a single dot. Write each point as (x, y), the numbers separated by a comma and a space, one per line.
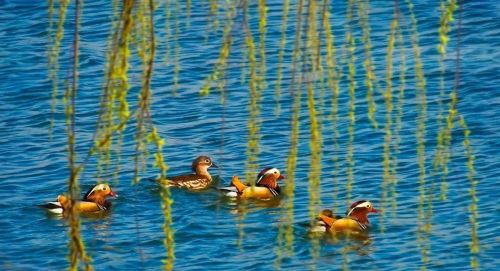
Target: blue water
(34, 169)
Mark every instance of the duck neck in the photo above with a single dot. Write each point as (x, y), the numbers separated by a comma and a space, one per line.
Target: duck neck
(203, 171)
(360, 217)
(269, 182)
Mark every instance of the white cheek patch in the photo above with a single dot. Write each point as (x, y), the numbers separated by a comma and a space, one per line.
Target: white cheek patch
(365, 204)
(96, 188)
(271, 171)
(93, 189)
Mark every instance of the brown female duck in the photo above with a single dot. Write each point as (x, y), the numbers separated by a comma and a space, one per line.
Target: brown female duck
(199, 179)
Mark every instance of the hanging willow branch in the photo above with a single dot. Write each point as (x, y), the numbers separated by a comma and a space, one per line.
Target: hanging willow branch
(218, 73)
(53, 52)
(468, 151)
(279, 73)
(444, 134)
(115, 88)
(177, 48)
(76, 246)
(146, 49)
(333, 84)
(388, 115)
(168, 36)
(144, 118)
(315, 136)
(363, 10)
(262, 43)
(351, 45)
(421, 106)
(253, 148)
(285, 234)
(399, 106)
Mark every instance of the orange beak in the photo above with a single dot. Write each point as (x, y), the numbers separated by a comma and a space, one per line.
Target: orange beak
(113, 194)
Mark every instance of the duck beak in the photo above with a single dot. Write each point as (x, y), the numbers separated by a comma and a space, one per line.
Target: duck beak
(374, 210)
(113, 194)
(214, 165)
(281, 177)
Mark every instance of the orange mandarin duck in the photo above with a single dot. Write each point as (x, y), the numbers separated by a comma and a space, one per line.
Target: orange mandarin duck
(266, 186)
(355, 221)
(199, 179)
(93, 201)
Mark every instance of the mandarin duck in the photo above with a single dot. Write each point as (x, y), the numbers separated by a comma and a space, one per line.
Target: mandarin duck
(93, 201)
(266, 186)
(355, 221)
(199, 179)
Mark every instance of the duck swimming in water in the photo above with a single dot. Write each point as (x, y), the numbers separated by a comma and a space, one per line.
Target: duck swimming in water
(266, 186)
(355, 221)
(199, 179)
(93, 201)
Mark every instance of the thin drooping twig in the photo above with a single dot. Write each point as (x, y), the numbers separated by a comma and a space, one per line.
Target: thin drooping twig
(77, 248)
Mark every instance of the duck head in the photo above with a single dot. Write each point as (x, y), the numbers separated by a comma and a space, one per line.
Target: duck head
(99, 193)
(360, 210)
(269, 177)
(201, 164)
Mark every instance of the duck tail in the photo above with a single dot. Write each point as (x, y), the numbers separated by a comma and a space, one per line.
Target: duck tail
(229, 191)
(151, 179)
(55, 207)
(50, 205)
(158, 180)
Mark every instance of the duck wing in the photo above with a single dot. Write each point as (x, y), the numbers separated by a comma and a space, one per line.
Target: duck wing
(192, 181)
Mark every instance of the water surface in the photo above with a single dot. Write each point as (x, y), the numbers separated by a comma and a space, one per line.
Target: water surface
(34, 169)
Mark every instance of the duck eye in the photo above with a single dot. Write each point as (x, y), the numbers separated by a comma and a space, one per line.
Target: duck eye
(275, 172)
(207, 161)
(104, 188)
